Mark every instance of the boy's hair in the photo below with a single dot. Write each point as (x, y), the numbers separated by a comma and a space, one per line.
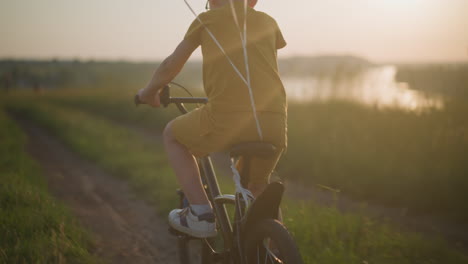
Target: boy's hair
(251, 3)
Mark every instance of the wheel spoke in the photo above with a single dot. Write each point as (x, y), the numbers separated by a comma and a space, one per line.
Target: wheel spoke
(258, 254)
(269, 256)
(272, 244)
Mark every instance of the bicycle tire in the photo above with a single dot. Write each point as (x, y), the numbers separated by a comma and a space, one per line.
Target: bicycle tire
(182, 246)
(275, 234)
(193, 251)
(196, 251)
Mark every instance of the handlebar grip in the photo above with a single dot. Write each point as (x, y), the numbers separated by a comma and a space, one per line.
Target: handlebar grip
(165, 96)
(136, 100)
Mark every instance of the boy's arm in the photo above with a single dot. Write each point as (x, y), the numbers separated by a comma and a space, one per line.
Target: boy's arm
(166, 72)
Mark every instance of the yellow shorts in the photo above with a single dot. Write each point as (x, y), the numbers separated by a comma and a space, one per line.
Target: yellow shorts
(204, 132)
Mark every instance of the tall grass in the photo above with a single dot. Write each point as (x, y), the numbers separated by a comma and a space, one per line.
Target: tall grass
(323, 234)
(410, 159)
(34, 228)
(399, 158)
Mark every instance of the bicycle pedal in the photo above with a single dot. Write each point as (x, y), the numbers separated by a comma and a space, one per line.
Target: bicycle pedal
(174, 232)
(180, 192)
(179, 234)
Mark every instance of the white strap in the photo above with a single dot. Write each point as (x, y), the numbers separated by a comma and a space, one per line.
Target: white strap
(246, 194)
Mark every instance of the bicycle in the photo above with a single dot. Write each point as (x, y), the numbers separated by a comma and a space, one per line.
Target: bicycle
(255, 235)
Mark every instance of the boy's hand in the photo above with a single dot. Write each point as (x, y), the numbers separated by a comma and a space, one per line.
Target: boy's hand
(149, 97)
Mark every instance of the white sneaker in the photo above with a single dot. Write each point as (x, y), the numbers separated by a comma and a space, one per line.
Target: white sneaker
(201, 226)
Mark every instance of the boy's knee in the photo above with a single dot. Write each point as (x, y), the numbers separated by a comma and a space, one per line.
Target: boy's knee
(167, 132)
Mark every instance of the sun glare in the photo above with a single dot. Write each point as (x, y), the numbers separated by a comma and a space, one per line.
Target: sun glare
(406, 8)
(404, 4)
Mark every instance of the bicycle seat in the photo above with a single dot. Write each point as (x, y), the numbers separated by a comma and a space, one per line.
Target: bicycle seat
(258, 149)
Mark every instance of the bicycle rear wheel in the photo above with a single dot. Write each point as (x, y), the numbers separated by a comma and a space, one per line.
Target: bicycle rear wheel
(270, 242)
(194, 251)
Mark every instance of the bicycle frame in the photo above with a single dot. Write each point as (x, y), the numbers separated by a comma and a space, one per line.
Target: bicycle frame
(206, 173)
(265, 206)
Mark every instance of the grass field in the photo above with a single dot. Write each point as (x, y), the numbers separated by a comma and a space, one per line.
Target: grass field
(400, 158)
(407, 159)
(34, 228)
(389, 156)
(87, 124)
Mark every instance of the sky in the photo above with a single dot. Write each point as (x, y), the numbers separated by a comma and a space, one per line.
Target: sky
(149, 30)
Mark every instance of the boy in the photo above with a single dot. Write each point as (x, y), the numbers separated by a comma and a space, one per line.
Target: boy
(227, 119)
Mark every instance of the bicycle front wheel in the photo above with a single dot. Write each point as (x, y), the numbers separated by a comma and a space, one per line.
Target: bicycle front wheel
(270, 242)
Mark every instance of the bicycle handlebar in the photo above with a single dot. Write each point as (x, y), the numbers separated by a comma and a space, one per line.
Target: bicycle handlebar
(166, 99)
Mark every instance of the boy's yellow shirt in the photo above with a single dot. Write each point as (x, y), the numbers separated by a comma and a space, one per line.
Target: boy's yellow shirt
(225, 89)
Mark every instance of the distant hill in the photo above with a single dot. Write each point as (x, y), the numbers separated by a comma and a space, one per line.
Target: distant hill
(306, 66)
(122, 74)
(86, 74)
(448, 79)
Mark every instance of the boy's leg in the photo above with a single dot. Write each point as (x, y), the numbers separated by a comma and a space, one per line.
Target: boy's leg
(257, 187)
(260, 171)
(185, 167)
(197, 220)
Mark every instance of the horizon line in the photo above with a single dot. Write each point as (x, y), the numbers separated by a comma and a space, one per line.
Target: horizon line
(285, 57)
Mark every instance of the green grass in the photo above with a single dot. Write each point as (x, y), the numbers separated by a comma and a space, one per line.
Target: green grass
(323, 234)
(387, 156)
(407, 159)
(34, 228)
(116, 149)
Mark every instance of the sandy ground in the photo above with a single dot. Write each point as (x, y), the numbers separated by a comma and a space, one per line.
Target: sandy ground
(125, 228)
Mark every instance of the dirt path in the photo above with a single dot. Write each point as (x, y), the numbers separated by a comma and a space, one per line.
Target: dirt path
(126, 229)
